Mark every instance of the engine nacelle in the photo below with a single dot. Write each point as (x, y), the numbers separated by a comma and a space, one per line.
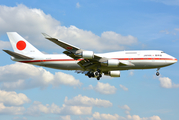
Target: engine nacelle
(111, 63)
(114, 73)
(86, 54)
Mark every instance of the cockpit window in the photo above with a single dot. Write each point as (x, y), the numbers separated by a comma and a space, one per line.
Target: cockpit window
(162, 52)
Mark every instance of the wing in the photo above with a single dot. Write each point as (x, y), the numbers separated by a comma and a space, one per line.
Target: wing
(66, 46)
(76, 53)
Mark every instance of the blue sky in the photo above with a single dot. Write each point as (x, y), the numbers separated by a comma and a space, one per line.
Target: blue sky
(31, 92)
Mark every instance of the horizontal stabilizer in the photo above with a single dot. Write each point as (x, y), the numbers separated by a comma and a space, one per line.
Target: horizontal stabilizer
(16, 55)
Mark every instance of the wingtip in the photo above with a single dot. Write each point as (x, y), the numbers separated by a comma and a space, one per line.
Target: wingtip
(46, 36)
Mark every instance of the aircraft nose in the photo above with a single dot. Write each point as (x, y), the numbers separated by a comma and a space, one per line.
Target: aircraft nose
(171, 60)
(174, 60)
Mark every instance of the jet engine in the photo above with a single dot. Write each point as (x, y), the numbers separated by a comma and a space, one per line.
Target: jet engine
(86, 54)
(111, 63)
(113, 73)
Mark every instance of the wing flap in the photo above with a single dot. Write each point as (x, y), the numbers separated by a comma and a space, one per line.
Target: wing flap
(126, 63)
(70, 54)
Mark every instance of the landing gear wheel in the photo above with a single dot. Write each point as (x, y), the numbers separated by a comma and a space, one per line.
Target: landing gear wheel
(99, 70)
(98, 78)
(157, 73)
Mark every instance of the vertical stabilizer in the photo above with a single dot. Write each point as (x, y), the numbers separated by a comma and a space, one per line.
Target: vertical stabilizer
(21, 46)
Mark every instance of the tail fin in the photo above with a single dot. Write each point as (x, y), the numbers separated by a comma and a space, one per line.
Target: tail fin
(21, 46)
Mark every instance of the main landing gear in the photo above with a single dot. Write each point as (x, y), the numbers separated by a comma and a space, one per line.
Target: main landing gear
(96, 74)
(157, 74)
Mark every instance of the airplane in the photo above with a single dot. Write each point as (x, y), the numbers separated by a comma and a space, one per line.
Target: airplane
(87, 62)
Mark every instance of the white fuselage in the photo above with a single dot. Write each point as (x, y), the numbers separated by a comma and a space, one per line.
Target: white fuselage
(147, 59)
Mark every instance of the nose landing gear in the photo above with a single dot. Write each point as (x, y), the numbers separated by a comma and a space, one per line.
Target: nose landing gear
(157, 74)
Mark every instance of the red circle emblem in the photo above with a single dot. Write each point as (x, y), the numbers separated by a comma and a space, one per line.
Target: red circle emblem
(21, 45)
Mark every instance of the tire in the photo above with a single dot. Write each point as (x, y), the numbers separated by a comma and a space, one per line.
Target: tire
(157, 74)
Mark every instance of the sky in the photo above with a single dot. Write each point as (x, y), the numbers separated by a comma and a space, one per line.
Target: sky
(30, 92)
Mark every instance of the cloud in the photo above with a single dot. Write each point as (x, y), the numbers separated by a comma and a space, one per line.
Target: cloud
(78, 5)
(166, 82)
(11, 103)
(4, 44)
(65, 117)
(86, 101)
(98, 116)
(38, 108)
(12, 98)
(11, 110)
(103, 88)
(123, 87)
(169, 32)
(131, 73)
(19, 118)
(30, 22)
(125, 107)
(25, 76)
(136, 117)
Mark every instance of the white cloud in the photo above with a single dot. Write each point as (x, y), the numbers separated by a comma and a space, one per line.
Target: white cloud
(123, 87)
(154, 118)
(136, 117)
(168, 32)
(11, 110)
(86, 101)
(131, 73)
(166, 82)
(65, 79)
(65, 117)
(103, 88)
(38, 108)
(125, 107)
(78, 5)
(19, 118)
(12, 98)
(98, 116)
(117, 38)
(32, 22)
(4, 44)
(24, 76)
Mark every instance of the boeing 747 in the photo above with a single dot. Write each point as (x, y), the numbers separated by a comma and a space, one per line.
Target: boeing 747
(87, 62)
